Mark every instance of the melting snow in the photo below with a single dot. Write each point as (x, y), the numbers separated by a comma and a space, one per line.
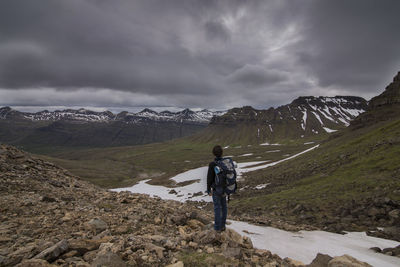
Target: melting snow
(329, 130)
(261, 186)
(246, 155)
(305, 245)
(318, 117)
(303, 124)
(268, 144)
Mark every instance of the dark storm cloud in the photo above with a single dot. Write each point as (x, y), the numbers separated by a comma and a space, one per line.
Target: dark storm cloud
(352, 44)
(216, 31)
(256, 76)
(191, 53)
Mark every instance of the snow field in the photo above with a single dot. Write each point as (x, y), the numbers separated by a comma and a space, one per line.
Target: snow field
(305, 245)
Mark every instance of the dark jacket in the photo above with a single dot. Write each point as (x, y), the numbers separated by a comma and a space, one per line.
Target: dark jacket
(211, 176)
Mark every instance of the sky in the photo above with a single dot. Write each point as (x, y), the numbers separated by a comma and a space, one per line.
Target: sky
(196, 54)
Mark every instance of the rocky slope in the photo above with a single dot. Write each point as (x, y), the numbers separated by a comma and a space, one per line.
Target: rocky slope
(306, 117)
(84, 128)
(49, 216)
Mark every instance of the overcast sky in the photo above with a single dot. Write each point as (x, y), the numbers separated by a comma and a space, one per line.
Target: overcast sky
(185, 53)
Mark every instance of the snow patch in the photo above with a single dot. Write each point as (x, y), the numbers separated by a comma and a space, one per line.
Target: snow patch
(329, 130)
(305, 245)
(246, 155)
(261, 186)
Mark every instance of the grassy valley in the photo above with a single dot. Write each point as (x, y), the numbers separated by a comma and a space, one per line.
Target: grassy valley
(124, 166)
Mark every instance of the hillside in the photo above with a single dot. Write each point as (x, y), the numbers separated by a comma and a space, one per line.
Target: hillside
(48, 131)
(351, 182)
(50, 216)
(306, 118)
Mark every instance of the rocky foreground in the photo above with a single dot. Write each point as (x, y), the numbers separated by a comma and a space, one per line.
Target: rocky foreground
(49, 217)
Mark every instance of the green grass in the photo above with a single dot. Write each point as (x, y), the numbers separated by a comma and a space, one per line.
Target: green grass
(355, 165)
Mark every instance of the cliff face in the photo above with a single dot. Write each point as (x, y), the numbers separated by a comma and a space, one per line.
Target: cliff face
(390, 96)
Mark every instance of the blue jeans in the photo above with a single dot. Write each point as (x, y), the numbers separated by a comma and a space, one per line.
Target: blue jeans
(220, 211)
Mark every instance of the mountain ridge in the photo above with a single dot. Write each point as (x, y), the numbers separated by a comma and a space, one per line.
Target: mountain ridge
(86, 115)
(306, 117)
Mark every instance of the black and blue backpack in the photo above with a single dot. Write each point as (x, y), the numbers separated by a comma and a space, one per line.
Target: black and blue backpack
(225, 176)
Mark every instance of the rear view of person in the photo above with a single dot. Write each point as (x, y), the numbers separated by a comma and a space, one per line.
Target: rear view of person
(221, 181)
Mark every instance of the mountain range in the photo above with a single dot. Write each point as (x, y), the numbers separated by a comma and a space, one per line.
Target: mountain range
(86, 128)
(86, 116)
(306, 117)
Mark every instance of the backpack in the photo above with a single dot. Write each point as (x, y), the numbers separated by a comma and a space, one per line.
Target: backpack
(225, 176)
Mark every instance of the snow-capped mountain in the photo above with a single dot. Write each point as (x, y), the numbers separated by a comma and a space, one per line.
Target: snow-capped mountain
(306, 116)
(88, 128)
(84, 115)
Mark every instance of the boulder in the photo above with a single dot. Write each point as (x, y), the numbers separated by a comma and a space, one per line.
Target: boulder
(321, 260)
(53, 252)
(231, 252)
(347, 261)
(108, 259)
(85, 245)
(98, 225)
(293, 262)
(35, 263)
(177, 264)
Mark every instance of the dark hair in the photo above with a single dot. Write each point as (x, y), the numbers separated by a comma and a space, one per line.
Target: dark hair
(217, 151)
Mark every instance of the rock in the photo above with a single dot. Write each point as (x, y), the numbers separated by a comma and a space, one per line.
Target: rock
(53, 252)
(195, 224)
(293, 262)
(231, 252)
(35, 263)
(177, 264)
(179, 219)
(395, 214)
(67, 217)
(232, 237)
(347, 261)
(157, 220)
(193, 245)
(158, 250)
(247, 242)
(393, 231)
(376, 249)
(90, 256)
(373, 212)
(207, 237)
(48, 199)
(321, 260)
(108, 259)
(172, 191)
(85, 245)
(97, 225)
(70, 254)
